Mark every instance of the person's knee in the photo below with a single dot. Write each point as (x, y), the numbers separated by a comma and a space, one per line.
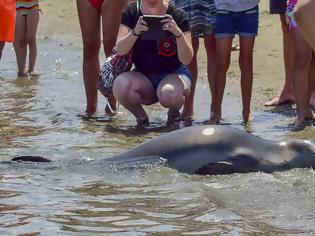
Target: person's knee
(122, 87)
(169, 97)
(91, 48)
(30, 40)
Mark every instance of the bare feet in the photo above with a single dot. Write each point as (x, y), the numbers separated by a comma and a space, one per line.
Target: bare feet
(280, 100)
(247, 117)
(303, 119)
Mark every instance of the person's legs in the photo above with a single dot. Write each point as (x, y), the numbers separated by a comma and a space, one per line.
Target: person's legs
(223, 53)
(132, 89)
(111, 16)
(303, 55)
(188, 109)
(305, 17)
(287, 94)
(1, 48)
(20, 45)
(31, 28)
(210, 45)
(89, 19)
(246, 66)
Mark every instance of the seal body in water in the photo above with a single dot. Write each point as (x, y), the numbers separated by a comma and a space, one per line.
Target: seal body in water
(220, 150)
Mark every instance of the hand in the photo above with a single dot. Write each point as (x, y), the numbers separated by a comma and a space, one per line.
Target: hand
(141, 26)
(170, 25)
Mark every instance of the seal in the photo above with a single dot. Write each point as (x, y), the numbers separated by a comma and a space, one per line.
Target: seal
(213, 150)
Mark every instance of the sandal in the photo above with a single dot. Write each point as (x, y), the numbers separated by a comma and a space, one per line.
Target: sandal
(142, 122)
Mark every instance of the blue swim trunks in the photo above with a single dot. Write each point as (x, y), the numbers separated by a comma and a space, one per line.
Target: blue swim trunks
(244, 23)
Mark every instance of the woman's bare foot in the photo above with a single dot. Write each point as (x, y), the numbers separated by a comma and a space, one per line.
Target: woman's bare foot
(280, 100)
(247, 117)
(303, 119)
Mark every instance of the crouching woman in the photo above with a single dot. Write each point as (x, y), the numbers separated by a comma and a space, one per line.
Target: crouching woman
(160, 73)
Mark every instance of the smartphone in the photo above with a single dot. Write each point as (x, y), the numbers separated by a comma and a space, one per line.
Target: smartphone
(155, 31)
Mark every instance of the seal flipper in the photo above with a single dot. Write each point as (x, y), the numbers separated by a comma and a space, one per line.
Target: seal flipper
(31, 159)
(238, 164)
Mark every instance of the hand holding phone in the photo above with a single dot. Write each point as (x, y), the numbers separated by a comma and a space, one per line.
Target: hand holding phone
(155, 28)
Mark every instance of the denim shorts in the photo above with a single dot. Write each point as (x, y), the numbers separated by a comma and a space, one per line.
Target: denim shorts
(244, 23)
(182, 72)
(278, 6)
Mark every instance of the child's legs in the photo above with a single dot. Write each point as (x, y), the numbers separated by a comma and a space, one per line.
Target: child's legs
(246, 66)
(31, 28)
(210, 45)
(223, 54)
(20, 45)
(1, 48)
(304, 13)
(303, 56)
(111, 17)
(90, 26)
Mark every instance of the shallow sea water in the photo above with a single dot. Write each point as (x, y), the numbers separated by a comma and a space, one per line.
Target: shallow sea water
(39, 116)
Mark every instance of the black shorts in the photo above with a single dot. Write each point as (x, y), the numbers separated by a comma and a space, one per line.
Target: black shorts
(278, 6)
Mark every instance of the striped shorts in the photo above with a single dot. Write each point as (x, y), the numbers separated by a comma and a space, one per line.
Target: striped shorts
(201, 13)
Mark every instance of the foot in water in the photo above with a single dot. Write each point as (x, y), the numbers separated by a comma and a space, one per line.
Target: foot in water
(280, 100)
(303, 120)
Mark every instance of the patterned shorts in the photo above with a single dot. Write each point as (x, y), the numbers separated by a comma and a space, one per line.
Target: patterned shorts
(201, 13)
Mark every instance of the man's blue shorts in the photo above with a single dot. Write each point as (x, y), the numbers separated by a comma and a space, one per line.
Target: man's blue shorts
(244, 23)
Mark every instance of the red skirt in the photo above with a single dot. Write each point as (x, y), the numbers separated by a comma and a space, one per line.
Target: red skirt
(7, 20)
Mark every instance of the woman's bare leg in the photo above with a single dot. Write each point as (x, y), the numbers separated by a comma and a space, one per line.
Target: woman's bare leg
(89, 19)
(305, 16)
(111, 17)
(132, 89)
(31, 28)
(303, 53)
(20, 45)
(311, 81)
(223, 53)
(287, 94)
(210, 45)
(246, 66)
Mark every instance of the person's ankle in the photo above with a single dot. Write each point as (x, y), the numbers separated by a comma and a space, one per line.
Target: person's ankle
(143, 122)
